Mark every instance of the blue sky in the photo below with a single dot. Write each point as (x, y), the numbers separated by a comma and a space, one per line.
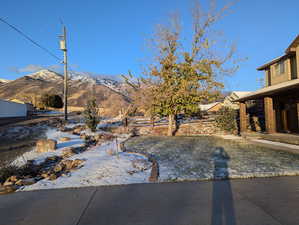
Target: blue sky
(109, 37)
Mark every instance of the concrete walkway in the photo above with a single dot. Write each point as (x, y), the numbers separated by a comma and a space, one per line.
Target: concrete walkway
(270, 201)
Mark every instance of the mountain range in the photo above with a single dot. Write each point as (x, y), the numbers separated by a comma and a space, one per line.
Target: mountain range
(81, 87)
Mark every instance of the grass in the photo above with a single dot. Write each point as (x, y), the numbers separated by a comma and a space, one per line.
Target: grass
(183, 158)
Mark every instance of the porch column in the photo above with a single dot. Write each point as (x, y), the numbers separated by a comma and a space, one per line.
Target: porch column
(269, 115)
(297, 60)
(243, 117)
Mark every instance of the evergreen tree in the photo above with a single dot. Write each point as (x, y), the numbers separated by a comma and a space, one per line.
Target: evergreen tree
(91, 114)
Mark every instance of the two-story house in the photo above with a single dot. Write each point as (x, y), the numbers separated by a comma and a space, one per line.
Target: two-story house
(280, 94)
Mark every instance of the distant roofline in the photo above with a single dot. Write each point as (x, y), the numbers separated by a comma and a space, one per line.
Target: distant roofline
(209, 106)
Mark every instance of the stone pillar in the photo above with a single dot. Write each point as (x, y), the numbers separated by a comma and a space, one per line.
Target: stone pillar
(243, 117)
(269, 115)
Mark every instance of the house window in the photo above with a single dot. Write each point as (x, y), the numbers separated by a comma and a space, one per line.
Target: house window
(279, 68)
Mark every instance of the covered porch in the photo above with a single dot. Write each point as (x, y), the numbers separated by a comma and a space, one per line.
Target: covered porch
(281, 107)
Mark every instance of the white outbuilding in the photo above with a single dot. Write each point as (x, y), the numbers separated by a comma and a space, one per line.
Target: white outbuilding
(12, 109)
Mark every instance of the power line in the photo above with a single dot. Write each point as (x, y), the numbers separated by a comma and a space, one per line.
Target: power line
(30, 39)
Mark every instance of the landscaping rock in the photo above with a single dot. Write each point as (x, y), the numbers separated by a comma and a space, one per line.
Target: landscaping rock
(27, 181)
(63, 139)
(45, 175)
(68, 152)
(12, 179)
(67, 163)
(52, 159)
(8, 183)
(58, 168)
(7, 189)
(77, 162)
(46, 145)
(52, 176)
(98, 137)
(78, 130)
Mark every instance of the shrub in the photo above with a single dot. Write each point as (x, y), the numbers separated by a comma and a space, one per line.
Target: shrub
(53, 101)
(91, 114)
(226, 119)
(7, 171)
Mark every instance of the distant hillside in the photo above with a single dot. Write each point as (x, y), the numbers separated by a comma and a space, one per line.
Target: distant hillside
(3, 81)
(81, 88)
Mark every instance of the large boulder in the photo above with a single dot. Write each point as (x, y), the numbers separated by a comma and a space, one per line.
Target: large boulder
(46, 145)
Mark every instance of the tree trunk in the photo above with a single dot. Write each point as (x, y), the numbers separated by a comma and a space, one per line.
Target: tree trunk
(170, 125)
(153, 121)
(125, 122)
(176, 124)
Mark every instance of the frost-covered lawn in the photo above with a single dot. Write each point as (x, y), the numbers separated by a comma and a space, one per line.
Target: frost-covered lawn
(103, 164)
(192, 158)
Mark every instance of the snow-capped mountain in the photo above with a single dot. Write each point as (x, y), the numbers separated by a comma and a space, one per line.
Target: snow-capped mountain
(4, 81)
(97, 79)
(46, 75)
(82, 77)
(81, 87)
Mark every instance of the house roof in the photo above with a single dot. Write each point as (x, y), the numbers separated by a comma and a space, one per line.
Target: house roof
(294, 44)
(8, 101)
(237, 94)
(289, 51)
(270, 90)
(206, 107)
(272, 62)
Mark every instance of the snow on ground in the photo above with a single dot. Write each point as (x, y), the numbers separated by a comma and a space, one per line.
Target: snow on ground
(72, 125)
(277, 143)
(99, 168)
(50, 134)
(51, 112)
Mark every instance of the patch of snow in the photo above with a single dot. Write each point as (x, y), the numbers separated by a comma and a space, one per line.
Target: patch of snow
(72, 125)
(46, 75)
(229, 137)
(277, 143)
(50, 134)
(4, 80)
(103, 165)
(51, 112)
(100, 168)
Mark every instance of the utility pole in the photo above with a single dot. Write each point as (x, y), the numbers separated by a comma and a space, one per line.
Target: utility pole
(64, 49)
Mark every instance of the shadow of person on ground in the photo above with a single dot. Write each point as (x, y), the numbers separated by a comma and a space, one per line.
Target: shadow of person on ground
(223, 211)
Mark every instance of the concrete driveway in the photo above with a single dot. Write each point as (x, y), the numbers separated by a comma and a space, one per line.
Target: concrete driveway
(263, 201)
